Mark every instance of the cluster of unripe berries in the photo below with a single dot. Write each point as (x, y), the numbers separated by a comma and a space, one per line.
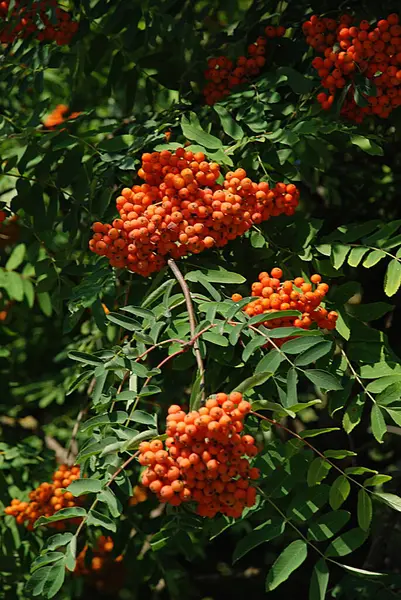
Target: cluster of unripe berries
(349, 50)
(59, 115)
(222, 74)
(43, 20)
(273, 295)
(47, 499)
(181, 208)
(102, 570)
(204, 458)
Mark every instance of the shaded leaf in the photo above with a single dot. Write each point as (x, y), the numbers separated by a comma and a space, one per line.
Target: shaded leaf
(339, 492)
(261, 534)
(289, 560)
(364, 510)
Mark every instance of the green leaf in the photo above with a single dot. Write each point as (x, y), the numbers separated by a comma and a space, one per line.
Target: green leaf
(45, 303)
(364, 510)
(298, 82)
(373, 258)
(339, 254)
(97, 519)
(307, 502)
(395, 415)
(252, 346)
(361, 572)
(380, 369)
(312, 354)
(318, 470)
(392, 279)
(369, 312)
(143, 417)
(383, 383)
(79, 487)
(270, 362)
(339, 492)
(390, 394)
(301, 344)
(60, 515)
(119, 416)
(323, 379)
(347, 542)
(16, 257)
(358, 471)
(46, 559)
(166, 286)
(193, 131)
(195, 400)
(219, 275)
(289, 560)
(390, 499)
(353, 414)
(307, 433)
(303, 405)
(47, 581)
(71, 555)
(356, 255)
(83, 357)
(215, 338)
(339, 454)
(230, 127)
(319, 581)
(252, 382)
(366, 145)
(328, 525)
(109, 498)
(139, 369)
(261, 534)
(292, 380)
(124, 321)
(257, 240)
(378, 423)
(377, 480)
(58, 540)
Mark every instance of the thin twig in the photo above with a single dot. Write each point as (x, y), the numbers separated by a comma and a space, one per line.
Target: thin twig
(305, 441)
(80, 416)
(108, 484)
(289, 522)
(192, 322)
(355, 374)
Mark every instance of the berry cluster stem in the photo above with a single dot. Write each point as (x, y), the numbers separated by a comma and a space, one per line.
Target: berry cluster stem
(192, 321)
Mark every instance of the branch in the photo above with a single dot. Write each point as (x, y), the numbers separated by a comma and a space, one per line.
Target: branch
(192, 322)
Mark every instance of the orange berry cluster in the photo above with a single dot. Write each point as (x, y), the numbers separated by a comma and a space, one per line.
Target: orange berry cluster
(104, 572)
(274, 295)
(205, 458)
(58, 115)
(47, 499)
(27, 19)
(223, 74)
(181, 208)
(139, 494)
(349, 50)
